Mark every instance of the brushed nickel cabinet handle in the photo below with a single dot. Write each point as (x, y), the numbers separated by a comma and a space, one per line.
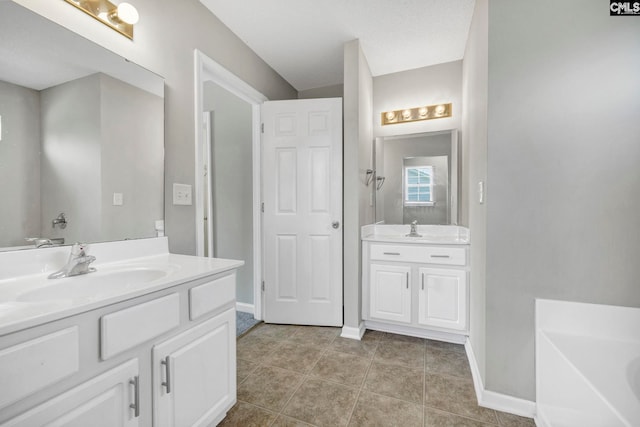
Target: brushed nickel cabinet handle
(407, 280)
(167, 370)
(422, 276)
(440, 256)
(391, 253)
(135, 382)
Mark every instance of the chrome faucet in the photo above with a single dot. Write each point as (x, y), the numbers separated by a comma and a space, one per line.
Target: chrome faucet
(60, 221)
(414, 230)
(77, 264)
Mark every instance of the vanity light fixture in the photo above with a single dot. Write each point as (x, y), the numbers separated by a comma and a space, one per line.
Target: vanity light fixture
(121, 17)
(428, 112)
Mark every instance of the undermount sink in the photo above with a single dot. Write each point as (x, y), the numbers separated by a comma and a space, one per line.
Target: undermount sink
(95, 286)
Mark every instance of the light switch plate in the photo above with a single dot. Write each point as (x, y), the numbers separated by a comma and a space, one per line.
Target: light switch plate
(118, 199)
(181, 194)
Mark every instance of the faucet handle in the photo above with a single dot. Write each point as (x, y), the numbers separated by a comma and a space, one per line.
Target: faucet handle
(78, 249)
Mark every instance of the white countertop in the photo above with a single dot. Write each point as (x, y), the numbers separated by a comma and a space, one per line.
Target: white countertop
(24, 273)
(430, 234)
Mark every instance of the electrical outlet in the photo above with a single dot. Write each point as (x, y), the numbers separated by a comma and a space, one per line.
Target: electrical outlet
(181, 194)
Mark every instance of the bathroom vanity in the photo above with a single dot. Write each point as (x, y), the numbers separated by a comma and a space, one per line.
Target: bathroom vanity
(416, 286)
(147, 339)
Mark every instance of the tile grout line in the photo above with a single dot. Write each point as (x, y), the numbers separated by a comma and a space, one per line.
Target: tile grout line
(364, 380)
(305, 377)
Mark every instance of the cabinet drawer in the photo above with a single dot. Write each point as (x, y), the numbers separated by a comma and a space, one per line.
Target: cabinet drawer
(419, 254)
(128, 328)
(33, 365)
(206, 298)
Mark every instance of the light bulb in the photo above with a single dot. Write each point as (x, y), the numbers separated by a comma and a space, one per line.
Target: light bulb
(440, 110)
(406, 114)
(390, 115)
(127, 13)
(423, 111)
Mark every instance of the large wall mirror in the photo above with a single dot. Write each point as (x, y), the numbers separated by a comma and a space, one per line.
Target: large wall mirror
(416, 178)
(81, 138)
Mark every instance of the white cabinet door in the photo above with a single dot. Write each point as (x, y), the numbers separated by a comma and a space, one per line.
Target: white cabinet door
(108, 400)
(442, 299)
(390, 293)
(194, 374)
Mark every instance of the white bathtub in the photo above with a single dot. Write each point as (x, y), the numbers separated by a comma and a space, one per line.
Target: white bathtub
(587, 365)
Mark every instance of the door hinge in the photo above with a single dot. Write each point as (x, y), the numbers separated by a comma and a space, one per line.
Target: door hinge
(262, 127)
(262, 207)
(263, 286)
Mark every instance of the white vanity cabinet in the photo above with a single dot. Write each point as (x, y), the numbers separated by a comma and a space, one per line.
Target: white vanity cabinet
(416, 288)
(166, 358)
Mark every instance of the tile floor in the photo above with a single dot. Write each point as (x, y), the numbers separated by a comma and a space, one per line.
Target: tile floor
(309, 376)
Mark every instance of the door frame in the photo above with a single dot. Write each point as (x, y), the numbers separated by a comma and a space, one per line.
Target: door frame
(206, 69)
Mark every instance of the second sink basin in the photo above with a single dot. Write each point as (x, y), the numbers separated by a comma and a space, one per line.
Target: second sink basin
(95, 286)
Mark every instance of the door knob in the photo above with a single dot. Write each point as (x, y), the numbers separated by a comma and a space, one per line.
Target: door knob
(335, 224)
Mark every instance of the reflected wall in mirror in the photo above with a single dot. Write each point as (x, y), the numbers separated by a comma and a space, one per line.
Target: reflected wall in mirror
(417, 178)
(82, 134)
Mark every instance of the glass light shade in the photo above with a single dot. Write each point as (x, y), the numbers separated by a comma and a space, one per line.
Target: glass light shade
(127, 13)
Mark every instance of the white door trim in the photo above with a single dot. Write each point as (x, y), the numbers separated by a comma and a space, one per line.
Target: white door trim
(206, 69)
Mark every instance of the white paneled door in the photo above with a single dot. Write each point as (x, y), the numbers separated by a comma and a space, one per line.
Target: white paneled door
(302, 195)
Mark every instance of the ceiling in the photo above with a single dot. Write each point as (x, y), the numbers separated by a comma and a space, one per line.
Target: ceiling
(303, 39)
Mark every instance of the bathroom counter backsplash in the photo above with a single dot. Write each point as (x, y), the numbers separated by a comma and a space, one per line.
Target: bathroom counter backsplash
(125, 270)
(429, 234)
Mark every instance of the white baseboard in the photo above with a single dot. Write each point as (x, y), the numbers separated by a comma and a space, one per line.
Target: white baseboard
(497, 401)
(415, 332)
(353, 333)
(244, 307)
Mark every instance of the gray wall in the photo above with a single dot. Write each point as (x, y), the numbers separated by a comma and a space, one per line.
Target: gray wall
(358, 141)
(563, 216)
(19, 164)
(71, 169)
(474, 161)
(335, 91)
(436, 84)
(164, 41)
(391, 196)
(440, 83)
(232, 182)
(132, 159)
